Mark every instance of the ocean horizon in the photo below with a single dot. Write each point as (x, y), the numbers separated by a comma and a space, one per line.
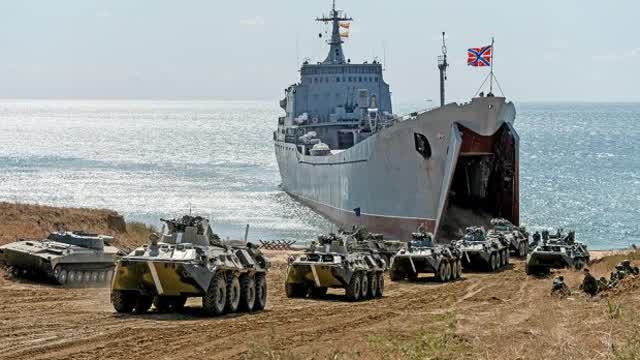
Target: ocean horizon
(157, 158)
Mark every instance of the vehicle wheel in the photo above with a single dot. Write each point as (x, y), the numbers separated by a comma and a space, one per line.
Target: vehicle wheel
(247, 292)
(86, 277)
(318, 292)
(380, 287)
(353, 289)
(459, 275)
(503, 258)
(295, 290)
(72, 277)
(61, 277)
(396, 275)
(261, 292)
(123, 301)
(214, 301)
(507, 257)
(233, 293)
(94, 277)
(102, 277)
(364, 286)
(449, 271)
(373, 284)
(441, 274)
(454, 269)
(493, 261)
(143, 304)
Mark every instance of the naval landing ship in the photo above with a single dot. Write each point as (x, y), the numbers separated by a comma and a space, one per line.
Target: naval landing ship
(342, 151)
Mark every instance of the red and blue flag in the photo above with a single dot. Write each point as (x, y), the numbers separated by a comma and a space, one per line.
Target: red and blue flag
(479, 56)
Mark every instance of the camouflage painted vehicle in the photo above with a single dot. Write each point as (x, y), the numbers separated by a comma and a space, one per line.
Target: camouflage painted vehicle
(517, 238)
(376, 244)
(557, 252)
(423, 256)
(64, 258)
(189, 260)
(336, 262)
(482, 251)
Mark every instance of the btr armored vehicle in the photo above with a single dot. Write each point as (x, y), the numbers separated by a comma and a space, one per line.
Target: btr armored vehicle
(482, 251)
(65, 258)
(189, 260)
(376, 244)
(557, 252)
(423, 256)
(336, 262)
(517, 239)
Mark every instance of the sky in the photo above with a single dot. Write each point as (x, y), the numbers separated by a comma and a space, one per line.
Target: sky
(251, 49)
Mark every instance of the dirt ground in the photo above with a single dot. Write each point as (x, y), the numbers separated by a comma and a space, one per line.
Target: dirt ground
(504, 315)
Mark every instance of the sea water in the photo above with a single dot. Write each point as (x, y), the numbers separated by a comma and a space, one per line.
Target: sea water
(579, 164)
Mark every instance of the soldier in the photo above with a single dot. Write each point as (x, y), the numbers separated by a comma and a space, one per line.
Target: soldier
(589, 283)
(628, 268)
(603, 284)
(559, 288)
(617, 275)
(536, 239)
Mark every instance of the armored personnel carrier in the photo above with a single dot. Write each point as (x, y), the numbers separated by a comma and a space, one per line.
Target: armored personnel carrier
(65, 258)
(336, 262)
(517, 238)
(376, 244)
(423, 256)
(189, 260)
(482, 251)
(557, 252)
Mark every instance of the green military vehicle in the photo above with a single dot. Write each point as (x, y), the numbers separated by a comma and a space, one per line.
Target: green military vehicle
(482, 251)
(336, 261)
(73, 258)
(189, 260)
(516, 236)
(423, 256)
(556, 252)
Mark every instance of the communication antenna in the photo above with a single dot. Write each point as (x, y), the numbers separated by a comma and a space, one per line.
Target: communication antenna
(442, 66)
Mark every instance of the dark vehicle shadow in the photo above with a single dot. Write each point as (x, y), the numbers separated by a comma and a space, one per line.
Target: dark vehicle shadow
(189, 313)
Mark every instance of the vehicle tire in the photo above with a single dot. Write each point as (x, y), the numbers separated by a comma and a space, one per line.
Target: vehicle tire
(449, 271)
(143, 304)
(364, 286)
(353, 289)
(318, 292)
(62, 277)
(441, 274)
(94, 277)
(373, 284)
(493, 261)
(102, 277)
(123, 301)
(247, 292)
(72, 277)
(233, 293)
(459, 275)
(454, 269)
(214, 301)
(503, 258)
(261, 292)
(396, 275)
(295, 290)
(380, 287)
(86, 277)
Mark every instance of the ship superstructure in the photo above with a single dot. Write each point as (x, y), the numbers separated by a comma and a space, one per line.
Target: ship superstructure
(341, 151)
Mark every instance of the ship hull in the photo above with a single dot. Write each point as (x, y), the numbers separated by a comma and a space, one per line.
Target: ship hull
(392, 182)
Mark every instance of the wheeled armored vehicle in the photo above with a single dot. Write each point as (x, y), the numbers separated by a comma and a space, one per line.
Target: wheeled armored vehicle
(423, 256)
(189, 260)
(376, 244)
(517, 238)
(336, 261)
(482, 251)
(65, 258)
(557, 252)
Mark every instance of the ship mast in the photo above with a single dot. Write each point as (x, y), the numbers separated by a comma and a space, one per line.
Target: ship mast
(442, 66)
(336, 56)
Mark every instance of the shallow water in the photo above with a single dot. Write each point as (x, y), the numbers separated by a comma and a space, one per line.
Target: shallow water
(152, 159)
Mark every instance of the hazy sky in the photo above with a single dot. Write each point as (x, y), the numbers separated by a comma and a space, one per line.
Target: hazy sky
(249, 49)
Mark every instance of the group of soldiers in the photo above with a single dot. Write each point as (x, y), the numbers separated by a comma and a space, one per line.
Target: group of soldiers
(592, 286)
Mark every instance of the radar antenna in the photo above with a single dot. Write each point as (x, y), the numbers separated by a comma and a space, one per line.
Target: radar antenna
(442, 65)
(335, 17)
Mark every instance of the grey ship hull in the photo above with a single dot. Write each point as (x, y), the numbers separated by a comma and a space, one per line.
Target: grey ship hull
(396, 188)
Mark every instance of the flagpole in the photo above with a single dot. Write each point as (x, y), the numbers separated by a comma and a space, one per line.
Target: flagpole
(493, 54)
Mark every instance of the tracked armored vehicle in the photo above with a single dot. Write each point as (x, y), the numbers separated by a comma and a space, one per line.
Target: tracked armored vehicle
(423, 256)
(189, 260)
(64, 258)
(482, 251)
(336, 262)
(517, 239)
(557, 252)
